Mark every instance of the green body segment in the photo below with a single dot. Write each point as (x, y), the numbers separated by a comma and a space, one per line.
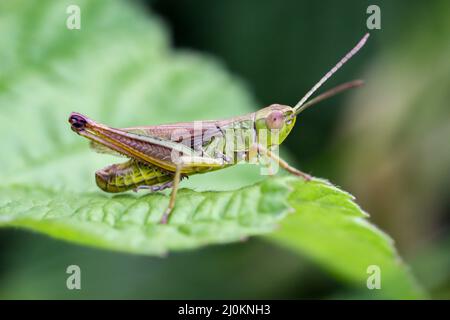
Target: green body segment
(130, 175)
(238, 135)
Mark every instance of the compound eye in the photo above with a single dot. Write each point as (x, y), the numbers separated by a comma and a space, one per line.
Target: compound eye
(275, 120)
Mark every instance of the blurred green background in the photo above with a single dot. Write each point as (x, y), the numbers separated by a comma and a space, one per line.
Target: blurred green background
(387, 143)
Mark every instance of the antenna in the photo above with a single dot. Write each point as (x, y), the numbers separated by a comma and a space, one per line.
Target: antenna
(331, 72)
(332, 92)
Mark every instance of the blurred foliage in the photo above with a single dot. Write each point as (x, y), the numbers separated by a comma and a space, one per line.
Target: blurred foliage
(272, 46)
(393, 141)
(393, 131)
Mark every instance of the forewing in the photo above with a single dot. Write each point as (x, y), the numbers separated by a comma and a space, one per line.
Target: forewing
(192, 134)
(99, 148)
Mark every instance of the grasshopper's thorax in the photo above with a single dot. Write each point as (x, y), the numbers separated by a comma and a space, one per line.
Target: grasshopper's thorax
(273, 124)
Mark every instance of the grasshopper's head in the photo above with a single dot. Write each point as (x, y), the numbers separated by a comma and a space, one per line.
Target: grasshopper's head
(274, 123)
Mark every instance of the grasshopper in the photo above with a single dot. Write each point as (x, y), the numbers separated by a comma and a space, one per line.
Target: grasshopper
(162, 155)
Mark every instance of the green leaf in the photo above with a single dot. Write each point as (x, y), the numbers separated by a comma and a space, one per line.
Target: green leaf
(120, 70)
(130, 223)
(332, 229)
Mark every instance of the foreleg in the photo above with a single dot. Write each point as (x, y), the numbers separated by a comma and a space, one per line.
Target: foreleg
(263, 150)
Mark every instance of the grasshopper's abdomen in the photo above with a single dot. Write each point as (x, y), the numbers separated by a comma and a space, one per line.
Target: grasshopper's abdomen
(129, 175)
